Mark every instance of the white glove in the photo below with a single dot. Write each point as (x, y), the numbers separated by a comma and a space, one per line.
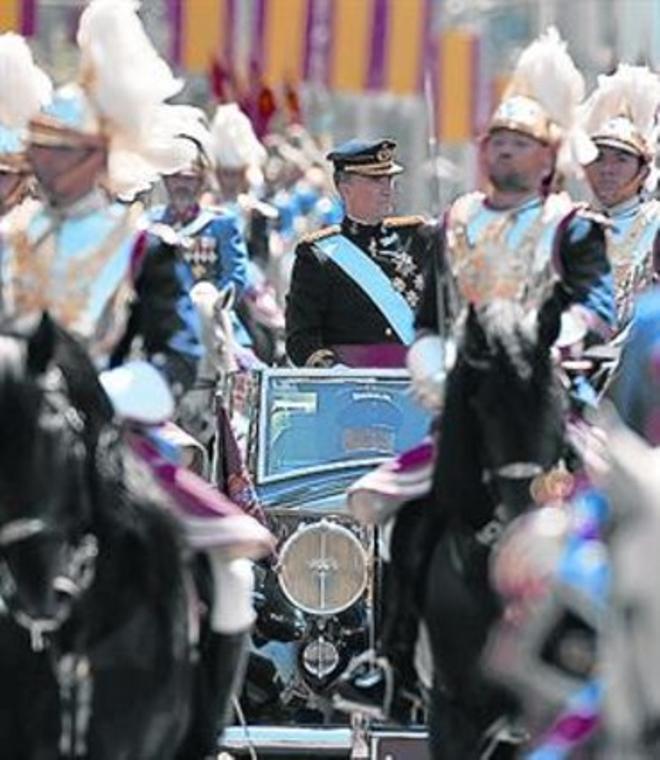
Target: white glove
(139, 393)
(232, 610)
(429, 359)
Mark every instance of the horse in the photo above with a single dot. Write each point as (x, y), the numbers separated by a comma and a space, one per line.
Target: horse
(502, 425)
(97, 628)
(195, 412)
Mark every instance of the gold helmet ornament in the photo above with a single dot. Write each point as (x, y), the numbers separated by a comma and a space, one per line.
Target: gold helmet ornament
(621, 112)
(542, 99)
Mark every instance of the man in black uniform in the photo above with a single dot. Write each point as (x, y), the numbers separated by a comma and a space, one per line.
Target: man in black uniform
(355, 286)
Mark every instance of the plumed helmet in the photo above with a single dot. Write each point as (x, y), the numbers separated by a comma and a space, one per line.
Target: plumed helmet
(119, 100)
(235, 142)
(621, 111)
(542, 99)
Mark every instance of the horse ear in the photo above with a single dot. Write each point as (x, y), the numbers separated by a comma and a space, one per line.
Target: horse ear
(548, 322)
(41, 346)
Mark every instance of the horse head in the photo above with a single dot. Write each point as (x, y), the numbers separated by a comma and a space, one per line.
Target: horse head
(214, 307)
(511, 403)
(46, 550)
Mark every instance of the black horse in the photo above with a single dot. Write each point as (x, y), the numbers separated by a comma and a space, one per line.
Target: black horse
(96, 658)
(502, 424)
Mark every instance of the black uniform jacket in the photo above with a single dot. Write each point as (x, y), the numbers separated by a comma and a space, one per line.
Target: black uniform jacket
(326, 308)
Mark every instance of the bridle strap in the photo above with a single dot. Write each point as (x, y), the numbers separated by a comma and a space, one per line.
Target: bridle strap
(20, 530)
(514, 471)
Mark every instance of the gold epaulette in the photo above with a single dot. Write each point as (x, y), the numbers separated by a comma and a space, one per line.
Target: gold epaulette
(404, 221)
(324, 232)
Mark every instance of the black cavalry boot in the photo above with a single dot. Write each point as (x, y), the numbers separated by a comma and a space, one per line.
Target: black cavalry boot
(220, 671)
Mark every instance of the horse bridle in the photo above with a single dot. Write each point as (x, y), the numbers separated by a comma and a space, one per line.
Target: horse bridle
(80, 565)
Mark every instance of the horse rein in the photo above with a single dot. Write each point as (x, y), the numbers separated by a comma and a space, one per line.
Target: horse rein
(490, 533)
(79, 570)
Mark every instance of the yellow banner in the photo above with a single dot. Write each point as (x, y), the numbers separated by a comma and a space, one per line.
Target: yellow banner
(456, 71)
(405, 46)
(10, 15)
(351, 36)
(204, 28)
(284, 41)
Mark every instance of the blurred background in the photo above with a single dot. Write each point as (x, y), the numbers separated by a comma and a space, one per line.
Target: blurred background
(416, 70)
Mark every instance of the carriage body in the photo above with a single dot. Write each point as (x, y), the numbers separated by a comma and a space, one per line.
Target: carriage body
(311, 433)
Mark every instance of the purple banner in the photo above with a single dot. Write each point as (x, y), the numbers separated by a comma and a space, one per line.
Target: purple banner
(28, 17)
(175, 18)
(376, 71)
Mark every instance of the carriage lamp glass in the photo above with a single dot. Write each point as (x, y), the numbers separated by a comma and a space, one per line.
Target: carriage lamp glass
(323, 568)
(320, 657)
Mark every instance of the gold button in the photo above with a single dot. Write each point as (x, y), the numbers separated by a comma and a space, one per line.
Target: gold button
(388, 332)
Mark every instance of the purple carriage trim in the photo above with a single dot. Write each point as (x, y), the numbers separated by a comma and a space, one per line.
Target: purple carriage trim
(209, 519)
(383, 355)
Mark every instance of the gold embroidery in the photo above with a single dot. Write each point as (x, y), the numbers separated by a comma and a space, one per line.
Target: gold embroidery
(631, 273)
(37, 283)
(488, 268)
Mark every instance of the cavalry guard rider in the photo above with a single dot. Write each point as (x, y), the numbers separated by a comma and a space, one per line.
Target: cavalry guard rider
(122, 290)
(355, 286)
(518, 240)
(239, 159)
(620, 117)
(214, 247)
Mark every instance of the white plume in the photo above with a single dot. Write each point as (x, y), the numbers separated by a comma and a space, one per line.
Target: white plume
(133, 168)
(633, 92)
(236, 144)
(128, 83)
(546, 73)
(121, 70)
(24, 87)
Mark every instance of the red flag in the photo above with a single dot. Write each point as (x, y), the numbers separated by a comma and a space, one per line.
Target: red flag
(292, 101)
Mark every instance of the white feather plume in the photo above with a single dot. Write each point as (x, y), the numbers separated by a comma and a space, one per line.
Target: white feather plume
(633, 92)
(24, 87)
(121, 71)
(128, 83)
(236, 144)
(135, 167)
(546, 73)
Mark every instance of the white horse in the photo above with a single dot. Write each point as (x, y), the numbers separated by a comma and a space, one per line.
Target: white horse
(196, 413)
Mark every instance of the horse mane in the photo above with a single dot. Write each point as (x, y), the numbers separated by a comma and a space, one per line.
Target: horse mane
(139, 541)
(499, 349)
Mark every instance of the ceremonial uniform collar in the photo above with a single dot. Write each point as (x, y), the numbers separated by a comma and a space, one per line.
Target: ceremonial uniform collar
(535, 200)
(180, 219)
(626, 208)
(354, 229)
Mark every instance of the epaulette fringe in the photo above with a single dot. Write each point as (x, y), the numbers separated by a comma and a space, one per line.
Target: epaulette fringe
(403, 221)
(312, 237)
